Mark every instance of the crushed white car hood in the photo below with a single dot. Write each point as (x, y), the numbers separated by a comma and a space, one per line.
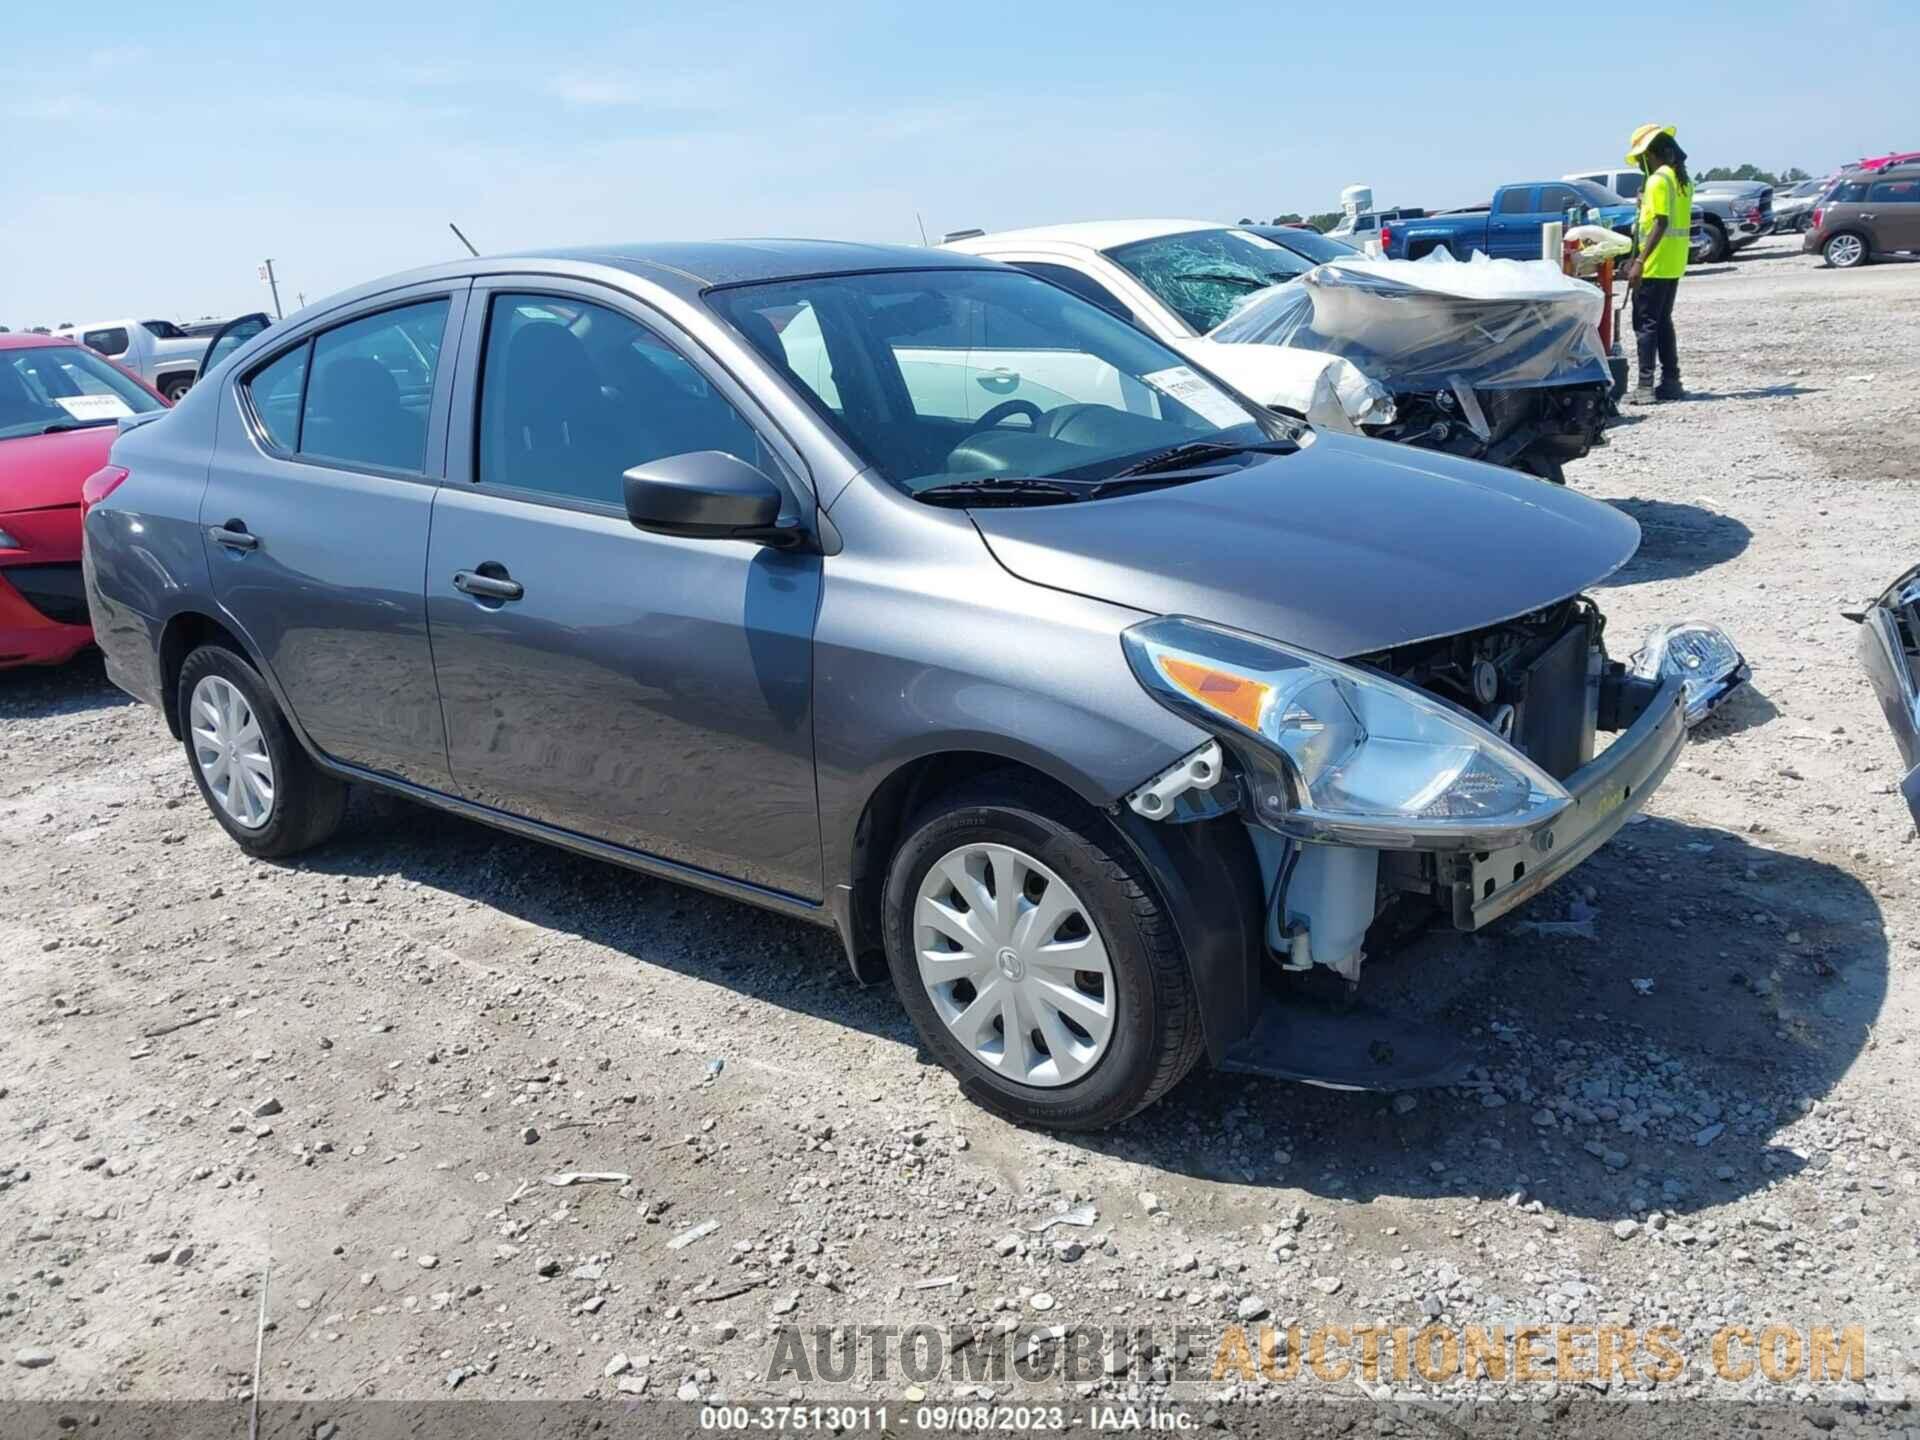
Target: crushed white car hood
(1333, 393)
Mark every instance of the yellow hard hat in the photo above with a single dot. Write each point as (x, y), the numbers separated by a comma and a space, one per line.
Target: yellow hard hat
(1642, 138)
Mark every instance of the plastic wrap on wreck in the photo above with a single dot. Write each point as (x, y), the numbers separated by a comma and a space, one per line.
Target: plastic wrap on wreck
(1423, 324)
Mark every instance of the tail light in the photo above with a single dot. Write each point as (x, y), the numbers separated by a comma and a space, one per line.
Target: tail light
(99, 485)
(1386, 237)
(1816, 217)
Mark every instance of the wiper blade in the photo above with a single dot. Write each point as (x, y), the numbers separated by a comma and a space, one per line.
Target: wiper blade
(1194, 452)
(1002, 490)
(60, 427)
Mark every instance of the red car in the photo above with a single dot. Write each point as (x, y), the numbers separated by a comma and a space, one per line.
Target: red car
(1881, 162)
(58, 406)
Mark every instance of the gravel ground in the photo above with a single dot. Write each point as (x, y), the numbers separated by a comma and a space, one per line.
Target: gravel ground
(367, 1066)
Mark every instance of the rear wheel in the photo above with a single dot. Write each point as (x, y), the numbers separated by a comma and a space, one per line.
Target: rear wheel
(1845, 250)
(174, 386)
(1036, 960)
(256, 779)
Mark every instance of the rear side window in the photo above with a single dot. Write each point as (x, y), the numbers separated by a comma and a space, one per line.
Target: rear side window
(572, 395)
(1627, 184)
(1847, 192)
(1895, 192)
(1517, 201)
(107, 342)
(370, 386)
(274, 393)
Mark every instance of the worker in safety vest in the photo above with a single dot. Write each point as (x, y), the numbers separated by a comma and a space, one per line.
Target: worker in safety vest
(1665, 232)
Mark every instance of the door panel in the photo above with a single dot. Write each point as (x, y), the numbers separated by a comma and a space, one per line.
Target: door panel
(645, 690)
(321, 566)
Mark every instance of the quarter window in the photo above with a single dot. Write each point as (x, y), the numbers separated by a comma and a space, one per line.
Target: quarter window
(572, 395)
(274, 392)
(371, 387)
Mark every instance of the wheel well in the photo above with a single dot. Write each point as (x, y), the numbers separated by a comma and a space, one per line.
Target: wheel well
(893, 804)
(186, 633)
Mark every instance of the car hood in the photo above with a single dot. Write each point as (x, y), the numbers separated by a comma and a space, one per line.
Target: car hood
(1334, 394)
(38, 472)
(1347, 547)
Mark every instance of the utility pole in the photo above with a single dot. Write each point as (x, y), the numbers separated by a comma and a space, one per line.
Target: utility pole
(266, 274)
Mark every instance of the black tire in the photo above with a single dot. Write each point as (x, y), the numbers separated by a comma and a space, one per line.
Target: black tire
(1156, 1036)
(308, 805)
(1858, 249)
(1718, 246)
(174, 386)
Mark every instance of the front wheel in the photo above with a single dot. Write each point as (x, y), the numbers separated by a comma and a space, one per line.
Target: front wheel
(1845, 250)
(175, 386)
(1035, 958)
(1719, 248)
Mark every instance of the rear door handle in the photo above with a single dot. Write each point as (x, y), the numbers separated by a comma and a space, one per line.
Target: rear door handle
(234, 536)
(487, 587)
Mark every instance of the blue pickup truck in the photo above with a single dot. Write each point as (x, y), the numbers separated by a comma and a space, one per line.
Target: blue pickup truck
(1509, 228)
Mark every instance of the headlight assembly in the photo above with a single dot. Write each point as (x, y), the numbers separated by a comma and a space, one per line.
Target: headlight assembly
(1342, 755)
(1702, 656)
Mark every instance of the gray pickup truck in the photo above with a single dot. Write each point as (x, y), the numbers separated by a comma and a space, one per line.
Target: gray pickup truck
(158, 351)
(1728, 214)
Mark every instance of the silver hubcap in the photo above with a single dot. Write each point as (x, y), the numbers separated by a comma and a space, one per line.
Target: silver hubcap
(1014, 965)
(232, 753)
(1844, 249)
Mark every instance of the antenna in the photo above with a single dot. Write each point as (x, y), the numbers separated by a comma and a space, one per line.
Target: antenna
(923, 227)
(463, 240)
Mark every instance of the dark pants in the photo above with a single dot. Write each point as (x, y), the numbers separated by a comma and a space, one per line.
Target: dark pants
(1653, 329)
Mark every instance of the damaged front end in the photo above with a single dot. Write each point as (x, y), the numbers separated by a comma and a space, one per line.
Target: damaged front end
(1454, 777)
(1498, 361)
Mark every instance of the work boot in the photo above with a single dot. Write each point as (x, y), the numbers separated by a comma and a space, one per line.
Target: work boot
(1642, 395)
(1669, 389)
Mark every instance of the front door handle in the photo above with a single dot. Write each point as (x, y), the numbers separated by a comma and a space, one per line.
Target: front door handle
(487, 587)
(234, 536)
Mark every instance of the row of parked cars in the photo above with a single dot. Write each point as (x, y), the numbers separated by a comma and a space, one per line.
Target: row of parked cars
(1111, 710)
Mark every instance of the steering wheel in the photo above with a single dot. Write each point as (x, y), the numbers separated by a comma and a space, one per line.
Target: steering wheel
(1005, 410)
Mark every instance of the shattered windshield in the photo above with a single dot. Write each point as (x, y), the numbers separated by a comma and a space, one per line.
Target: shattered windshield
(1203, 274)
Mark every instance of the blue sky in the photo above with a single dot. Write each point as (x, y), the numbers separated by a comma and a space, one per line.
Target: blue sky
(155, 154)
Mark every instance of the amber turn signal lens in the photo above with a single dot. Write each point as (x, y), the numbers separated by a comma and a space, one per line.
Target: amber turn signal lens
(1231, 695)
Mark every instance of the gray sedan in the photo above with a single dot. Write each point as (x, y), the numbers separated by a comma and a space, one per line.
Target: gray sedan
(1104, 720)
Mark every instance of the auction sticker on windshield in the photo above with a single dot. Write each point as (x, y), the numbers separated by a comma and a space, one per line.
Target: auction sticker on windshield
(1202, 397)
(93, 407)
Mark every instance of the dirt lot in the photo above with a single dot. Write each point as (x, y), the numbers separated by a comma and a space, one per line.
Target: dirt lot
(366, 1066)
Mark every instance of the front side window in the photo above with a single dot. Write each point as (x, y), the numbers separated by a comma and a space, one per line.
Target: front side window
(1052, 386)
(1079, 282)
(1203, 274)
(1628, 184)
(1895, 192)
(109, 342)
(370, 387)
(47, 389)
(573, 395)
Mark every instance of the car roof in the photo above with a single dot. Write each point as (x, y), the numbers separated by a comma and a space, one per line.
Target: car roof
(1093, 234)
(740, 262)
(27, 340)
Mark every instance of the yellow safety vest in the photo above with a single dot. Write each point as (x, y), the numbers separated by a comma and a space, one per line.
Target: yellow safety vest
(1665, 195)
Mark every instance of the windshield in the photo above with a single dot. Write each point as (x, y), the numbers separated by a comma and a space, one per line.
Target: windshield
(1203, 274)
(1594, 194)
(1310, 244)
(47, 388)
(944, 376)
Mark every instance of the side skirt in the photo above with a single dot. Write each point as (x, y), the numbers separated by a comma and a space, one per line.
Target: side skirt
(795, 906)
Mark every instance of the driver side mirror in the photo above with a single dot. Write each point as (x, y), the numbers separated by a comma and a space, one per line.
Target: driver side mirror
(708, 495)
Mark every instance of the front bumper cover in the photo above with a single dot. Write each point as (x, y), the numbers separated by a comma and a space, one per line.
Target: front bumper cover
(1606, 792)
